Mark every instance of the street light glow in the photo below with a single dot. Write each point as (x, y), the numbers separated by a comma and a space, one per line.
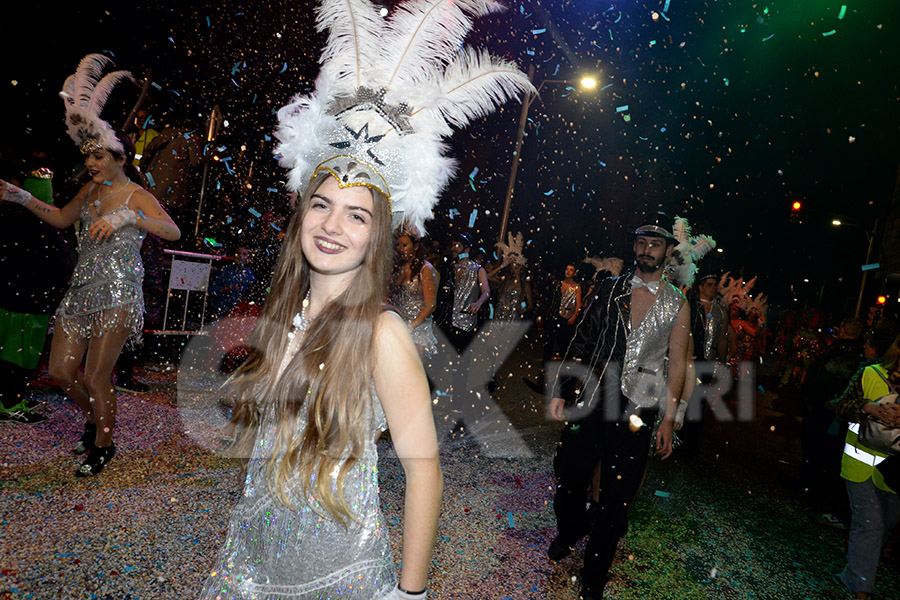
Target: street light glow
(836, 222)
(588, 83)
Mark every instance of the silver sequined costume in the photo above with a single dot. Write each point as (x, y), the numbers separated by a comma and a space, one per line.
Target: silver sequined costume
(465, 293)
(644, 373)
(509, 301)
(410, 301)
(105, 290)
(275, 552)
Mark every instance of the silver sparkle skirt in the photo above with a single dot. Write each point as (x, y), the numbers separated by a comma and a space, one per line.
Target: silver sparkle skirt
(275, 552)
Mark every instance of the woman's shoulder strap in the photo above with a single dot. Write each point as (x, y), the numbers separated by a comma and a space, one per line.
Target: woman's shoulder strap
(128, 199)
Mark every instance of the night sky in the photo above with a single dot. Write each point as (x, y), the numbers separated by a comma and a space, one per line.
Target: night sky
(734, 110)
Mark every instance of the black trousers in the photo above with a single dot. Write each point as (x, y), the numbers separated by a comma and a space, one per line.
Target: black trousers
(13, 383)
(623, 456)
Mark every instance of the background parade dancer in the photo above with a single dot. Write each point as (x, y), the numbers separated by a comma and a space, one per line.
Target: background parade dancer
(636, 331)
(329, 367)
(104, 305)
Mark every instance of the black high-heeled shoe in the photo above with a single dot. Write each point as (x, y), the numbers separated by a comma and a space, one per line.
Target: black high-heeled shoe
(98, 458)
(86, 443)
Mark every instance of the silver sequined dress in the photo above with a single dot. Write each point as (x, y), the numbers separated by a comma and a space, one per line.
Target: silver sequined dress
(275, 552)
(410, 301)
(509, 301)
(105, 290)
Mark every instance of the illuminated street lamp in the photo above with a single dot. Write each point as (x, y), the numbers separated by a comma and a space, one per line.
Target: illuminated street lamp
(587, 82)
(870, 236)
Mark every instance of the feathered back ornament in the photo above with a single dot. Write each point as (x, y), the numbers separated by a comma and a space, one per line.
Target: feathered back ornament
(387, 93)
(761, 304)
(512, 253)
(681, 268)
(736, 291)
(85, 94)
(613, 265)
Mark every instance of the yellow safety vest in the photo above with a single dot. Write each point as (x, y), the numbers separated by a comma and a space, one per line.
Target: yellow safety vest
(858, 462)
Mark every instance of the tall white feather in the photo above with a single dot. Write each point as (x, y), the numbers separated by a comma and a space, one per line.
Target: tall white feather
(682, 229)
(423, 35)
(474, 84)
(89, 71)
(701, 246)
(85, 95)
(354, 28)
(103, 89)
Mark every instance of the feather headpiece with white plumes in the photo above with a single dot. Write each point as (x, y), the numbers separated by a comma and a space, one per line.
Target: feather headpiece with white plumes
(388, 92)
(85, 94)
(737, 291)
(511, 253)
(613, 265)
(681, 268)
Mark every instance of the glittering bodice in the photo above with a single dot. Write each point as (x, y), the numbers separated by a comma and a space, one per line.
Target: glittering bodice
(508, 303)
(408, 299)
(646, 349)
(465, 293)
(568, 300)
(117, 258)
(105, 290)
(272, 551)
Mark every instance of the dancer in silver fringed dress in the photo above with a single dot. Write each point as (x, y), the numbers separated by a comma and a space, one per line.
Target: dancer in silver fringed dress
(104, 306)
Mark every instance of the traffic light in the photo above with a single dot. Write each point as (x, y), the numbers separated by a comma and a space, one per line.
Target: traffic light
(877, 311)
(795, 211)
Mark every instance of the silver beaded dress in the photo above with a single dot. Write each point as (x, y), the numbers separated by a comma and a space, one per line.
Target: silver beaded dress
(275, 552)
(509, 301)
(410, 301)
(105, 290)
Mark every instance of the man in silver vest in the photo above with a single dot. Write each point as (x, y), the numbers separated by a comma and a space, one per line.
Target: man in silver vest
(632, 345)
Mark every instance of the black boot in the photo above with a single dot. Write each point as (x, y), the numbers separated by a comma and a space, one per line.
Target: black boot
(87, 439)
(97, 458)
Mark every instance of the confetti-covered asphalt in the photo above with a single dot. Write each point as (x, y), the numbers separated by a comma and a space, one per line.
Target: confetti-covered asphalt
(724, 525)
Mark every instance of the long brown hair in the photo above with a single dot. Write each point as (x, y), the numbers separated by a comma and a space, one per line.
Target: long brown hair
(330, 376)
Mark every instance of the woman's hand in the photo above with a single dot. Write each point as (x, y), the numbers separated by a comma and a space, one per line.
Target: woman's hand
(11, 193)
(108, 224)
(886, 413)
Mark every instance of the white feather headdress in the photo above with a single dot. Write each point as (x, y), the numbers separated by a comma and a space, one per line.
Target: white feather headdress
(85, 94)
(738, 291)
(681, 268)
(511, 253)
(387, 93)
(613, 265)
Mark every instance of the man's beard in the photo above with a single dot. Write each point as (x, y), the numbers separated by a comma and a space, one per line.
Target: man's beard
(651, 267)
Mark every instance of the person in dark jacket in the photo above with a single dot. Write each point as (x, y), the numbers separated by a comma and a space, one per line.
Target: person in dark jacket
(827, 377)
(27, 246)
(633, 342)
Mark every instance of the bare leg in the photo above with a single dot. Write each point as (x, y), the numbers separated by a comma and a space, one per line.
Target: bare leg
(103, 351)
(64, 368)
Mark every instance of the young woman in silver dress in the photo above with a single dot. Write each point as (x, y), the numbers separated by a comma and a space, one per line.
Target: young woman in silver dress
(104, 305)
(414, 284)
(337, 369)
